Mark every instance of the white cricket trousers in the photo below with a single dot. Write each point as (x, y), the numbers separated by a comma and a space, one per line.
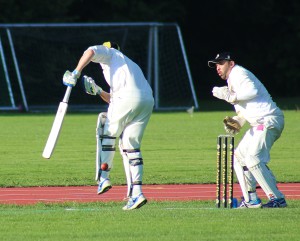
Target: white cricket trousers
(257, 142)
(128, 117)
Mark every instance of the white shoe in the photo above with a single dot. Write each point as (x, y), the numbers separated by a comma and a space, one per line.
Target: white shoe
(104, 186)
(135, 202)
(251, 204)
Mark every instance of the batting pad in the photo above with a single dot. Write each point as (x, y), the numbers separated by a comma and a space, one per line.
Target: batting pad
(99, 132)
(127, 172)
(107, 154)
(266, 180)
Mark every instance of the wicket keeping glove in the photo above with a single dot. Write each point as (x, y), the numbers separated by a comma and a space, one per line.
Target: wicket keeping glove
(70, 79)
(224, 94)
(233, 125)
(90, 86)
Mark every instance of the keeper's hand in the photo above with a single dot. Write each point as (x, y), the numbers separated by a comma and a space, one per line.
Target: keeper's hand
(231, 125)
(90, 87)
(70, 79)
(224, 94)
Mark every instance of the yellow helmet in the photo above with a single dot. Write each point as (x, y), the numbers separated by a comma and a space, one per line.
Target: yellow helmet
(111, 45)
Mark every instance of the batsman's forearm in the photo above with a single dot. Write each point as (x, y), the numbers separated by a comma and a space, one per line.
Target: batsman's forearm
(105, 96)
(85, 59)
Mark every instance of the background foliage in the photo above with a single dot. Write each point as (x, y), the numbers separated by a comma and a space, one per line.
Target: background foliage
(263, 35)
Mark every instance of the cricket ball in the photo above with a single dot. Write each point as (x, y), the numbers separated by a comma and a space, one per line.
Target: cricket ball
(104, 166)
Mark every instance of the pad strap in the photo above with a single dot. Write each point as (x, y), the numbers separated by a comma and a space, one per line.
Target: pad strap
(134, 156)
(106, 147)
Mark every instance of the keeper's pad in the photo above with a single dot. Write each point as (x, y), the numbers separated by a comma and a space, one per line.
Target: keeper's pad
(246, 180)
(251, 183)
(239, 171)
(266, 180)
(105, 148)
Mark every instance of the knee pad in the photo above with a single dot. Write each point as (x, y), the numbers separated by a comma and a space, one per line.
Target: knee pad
(135, 163)
(108, 149)
(108, 143)
(100, 123)
(134, 156)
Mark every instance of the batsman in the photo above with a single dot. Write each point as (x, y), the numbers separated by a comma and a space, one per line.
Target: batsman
(253, 104)
(130, 106)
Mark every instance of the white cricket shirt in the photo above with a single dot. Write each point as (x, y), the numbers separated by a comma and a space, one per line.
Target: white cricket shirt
(124, 77)
(253, 100)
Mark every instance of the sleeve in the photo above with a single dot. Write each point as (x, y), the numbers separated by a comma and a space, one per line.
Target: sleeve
(242, 83)
(102, 54)
(240, 119)
(244, 86)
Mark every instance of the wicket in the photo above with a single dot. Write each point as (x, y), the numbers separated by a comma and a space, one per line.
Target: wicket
(224, 180)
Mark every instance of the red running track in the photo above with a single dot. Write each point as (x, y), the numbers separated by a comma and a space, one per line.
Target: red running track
(184, 192)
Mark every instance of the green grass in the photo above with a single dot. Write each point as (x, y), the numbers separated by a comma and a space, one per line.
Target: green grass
(155, 221)
(177, 148)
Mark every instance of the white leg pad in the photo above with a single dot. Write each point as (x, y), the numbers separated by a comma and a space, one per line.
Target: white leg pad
(126, 168)
(107, 154)
(128, 174)
(266, 180)
(239, 171)
(250, 180)
(99, 132)
(251, 183)
(136, 168)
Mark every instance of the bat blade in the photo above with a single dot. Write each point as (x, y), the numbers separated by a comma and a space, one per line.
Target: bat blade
(55, 130)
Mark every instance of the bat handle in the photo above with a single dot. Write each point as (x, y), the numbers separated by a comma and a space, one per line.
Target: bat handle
(67, 94)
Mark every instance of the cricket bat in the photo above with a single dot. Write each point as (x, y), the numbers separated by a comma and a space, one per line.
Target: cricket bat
(57, 124)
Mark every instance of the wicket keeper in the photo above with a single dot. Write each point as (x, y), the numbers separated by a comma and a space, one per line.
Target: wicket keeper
(253, 104)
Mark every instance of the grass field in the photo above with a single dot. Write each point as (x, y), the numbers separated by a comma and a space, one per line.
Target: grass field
(177, 148)
(155, 221)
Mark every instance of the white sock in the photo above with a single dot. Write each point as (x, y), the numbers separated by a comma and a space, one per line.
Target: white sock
(253, 195)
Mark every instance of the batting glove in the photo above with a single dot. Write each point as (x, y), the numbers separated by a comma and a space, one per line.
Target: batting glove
(70, 79)
(90, 86)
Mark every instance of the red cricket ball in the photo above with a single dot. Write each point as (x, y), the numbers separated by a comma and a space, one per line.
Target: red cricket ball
(104, 166)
